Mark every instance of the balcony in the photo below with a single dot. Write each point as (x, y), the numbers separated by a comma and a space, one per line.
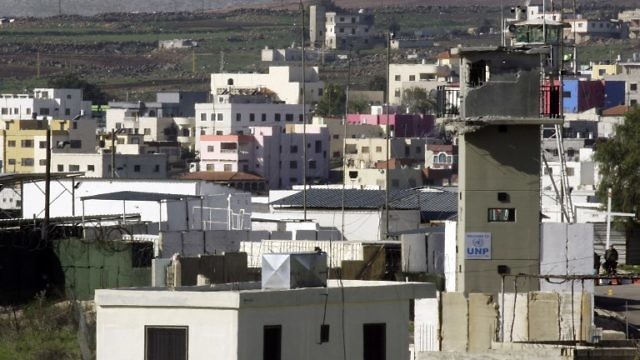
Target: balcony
(447, 101)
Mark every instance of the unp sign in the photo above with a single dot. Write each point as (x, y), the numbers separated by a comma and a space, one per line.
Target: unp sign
(477, 246)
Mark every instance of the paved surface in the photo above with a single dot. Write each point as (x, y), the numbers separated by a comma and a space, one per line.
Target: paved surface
(619, 299)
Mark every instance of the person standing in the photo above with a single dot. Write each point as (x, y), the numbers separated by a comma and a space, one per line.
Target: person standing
(611, 260)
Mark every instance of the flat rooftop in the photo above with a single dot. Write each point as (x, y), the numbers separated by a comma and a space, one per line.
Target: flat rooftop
(250, 294)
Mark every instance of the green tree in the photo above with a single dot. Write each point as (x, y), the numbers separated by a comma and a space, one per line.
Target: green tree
(619, 164)
(417, 101)
(332, 102)
(71, 81)
(358, 106)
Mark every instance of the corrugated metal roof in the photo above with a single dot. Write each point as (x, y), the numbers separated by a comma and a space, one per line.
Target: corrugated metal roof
(434, 204)
(139, 196)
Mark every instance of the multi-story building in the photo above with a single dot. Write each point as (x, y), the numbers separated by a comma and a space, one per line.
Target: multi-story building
(64, 104)
(366, 161)
(400, 125)
(283, 83)
(24, 142)
(337, 131)
(630, 74)
(237, 118)
(632, 19)
(274, 153)
(581, 30)
(127, 166)
(170, 118)
(340, 30)
(423, 76)
(601, 71)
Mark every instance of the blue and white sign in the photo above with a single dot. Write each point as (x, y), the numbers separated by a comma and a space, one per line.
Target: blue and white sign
(477, 246)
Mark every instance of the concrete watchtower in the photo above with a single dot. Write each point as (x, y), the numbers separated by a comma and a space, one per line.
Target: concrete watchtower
(498, 120)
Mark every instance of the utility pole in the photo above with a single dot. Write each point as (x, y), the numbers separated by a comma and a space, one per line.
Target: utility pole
(344, 140)
(388, 131)
(113, 153)
(44, 230)
(304, 117)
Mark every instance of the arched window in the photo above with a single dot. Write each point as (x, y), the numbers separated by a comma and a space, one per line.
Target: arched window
(442, 158)
(230, 82)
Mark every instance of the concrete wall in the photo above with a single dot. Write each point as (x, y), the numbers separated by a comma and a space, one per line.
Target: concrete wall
(450, 255)
(455, 320)
(547, 316)
(193, 243)
(566, 249)
(493, 161)
(426, 325)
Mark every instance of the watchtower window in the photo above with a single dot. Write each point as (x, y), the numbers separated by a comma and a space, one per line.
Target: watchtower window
(478, 73)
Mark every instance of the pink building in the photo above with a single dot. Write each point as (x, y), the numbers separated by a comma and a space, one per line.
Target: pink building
(401, 125)
(271, 152)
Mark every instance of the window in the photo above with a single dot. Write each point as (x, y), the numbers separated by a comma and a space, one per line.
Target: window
(293, 149)
(566, 94)
(74, 125)
(318, 145)
(633, 87)
(293, 164)
(412, 78)
(252, 117)
(397, 93)
(220, 117)
(570, 171)
(301, 118)
(156, 168)
(502, 215)
(397, 77)
(12, 161)
(91, 168)
(263, 118)
(365, 150)
(67, 111)
(277, 117)
(5, 111)
(238, 117)
(147, 131)
(378, 149)
(289, 117)
(26, 161)
(166, 343)
(60, 168)
(210, 148)
(26, 143)
(230, 81)
(74, 167)
(374, 341)
(44, 111)
(312, 164)
(227, 167)
(203, 117)
(11, 143)
(42, 162)
(75, 144)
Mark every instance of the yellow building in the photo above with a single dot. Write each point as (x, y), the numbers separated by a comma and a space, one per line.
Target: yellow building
(599, 71)
(24, 143)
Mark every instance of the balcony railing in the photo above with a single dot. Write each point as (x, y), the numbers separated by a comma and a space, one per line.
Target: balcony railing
(447, 101)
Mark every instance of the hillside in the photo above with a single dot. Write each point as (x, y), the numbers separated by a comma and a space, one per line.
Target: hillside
(44, 8)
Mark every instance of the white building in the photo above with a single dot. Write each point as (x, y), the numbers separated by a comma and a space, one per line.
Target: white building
(219, 203)
(127, 166)
(357, 320)
(285, 82)
(407, 76)
(237, 118)
(61, 104)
